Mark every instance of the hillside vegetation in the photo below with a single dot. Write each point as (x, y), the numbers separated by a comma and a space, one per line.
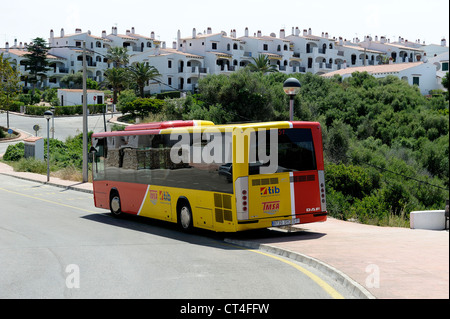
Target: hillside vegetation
(386, 146)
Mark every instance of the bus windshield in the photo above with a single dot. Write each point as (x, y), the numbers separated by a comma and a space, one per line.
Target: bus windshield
(294, 149)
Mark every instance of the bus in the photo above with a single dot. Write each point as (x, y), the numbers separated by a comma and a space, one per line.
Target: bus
(224, 178)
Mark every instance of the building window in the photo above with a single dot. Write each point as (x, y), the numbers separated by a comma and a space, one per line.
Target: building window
(169, 80)
(416, 80)
(169, 64)
(265, 47)
(214, 46)
(445, 66)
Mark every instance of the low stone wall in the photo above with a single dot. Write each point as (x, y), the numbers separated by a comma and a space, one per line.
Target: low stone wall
(430, 219)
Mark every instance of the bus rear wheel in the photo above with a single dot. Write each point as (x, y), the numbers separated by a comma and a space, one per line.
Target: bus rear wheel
(185, 216)
(114, 204)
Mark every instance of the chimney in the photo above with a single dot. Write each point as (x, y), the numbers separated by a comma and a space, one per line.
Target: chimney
(326, 35)
(152, 35)
(7, 46)
(443, 42)
(194, 33)
(282, 34)
(376, 38)
(383, 39)
(305, 32)
(209, 30)
(246, 32)
(77, 30)
(309, 31)
(174, 45)
(164, 44)
(104, 34)
(323, 34)
(133, 31)
(293, 32)
(178, 35)
(62, 32)
(15, 43)
(128, 32)
(297, 31)
(341, 42)
(259, 34)
(51, 34)
(115, 31)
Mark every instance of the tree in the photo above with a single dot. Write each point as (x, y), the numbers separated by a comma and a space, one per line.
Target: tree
(117, 56)
(9, 84)
(141, 74)
(36, 61)
(446, 84)
(262, 64)
(116, 79)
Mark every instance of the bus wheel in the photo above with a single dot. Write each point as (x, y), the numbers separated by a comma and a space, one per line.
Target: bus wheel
(185, 216)
(114, 203)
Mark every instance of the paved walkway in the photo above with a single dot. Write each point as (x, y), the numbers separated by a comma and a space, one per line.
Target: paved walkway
(382, 262)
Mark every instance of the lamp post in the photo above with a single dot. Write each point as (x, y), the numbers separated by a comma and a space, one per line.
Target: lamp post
(53, 121)
(48, 115)
(291, 87)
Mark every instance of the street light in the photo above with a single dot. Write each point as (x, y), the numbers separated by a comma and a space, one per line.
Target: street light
(53, 121)
(48, 115)
(291, 87)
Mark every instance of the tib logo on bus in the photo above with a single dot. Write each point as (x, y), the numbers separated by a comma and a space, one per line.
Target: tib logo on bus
(270, 190)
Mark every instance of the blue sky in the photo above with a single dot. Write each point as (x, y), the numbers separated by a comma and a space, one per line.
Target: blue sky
(413, 19)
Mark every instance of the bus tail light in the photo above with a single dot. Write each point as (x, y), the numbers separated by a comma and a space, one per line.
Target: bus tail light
(323, 199)
(241, 193)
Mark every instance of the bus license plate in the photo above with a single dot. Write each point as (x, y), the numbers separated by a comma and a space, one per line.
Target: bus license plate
(285, 222)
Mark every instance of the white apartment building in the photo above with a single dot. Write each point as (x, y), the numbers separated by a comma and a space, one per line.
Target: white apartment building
(200, 53)
(415, 73)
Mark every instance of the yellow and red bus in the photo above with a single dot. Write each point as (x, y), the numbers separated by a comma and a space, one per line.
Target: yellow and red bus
(224, 178)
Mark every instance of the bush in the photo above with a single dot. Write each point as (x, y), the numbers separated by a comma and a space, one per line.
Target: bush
(142, 107)
(14, 152)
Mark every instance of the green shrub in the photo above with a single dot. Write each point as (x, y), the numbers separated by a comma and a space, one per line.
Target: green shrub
(14, 152)
(31, 165)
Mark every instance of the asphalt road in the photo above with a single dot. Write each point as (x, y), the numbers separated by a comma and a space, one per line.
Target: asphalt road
(55, 244)
(64, 126)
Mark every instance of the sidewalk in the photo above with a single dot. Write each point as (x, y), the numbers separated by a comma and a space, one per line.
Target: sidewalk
(388, 262)
(379, 262)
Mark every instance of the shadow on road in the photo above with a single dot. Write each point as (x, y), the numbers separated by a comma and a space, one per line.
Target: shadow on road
(201, 236)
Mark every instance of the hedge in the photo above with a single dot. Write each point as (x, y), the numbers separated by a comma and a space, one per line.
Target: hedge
(64, 110)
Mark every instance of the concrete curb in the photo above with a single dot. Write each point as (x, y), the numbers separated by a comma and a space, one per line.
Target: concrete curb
(356, 289)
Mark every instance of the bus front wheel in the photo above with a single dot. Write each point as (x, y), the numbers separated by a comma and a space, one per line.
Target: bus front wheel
(114, 204)
(185, 216)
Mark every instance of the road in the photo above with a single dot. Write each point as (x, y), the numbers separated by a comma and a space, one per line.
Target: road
(55, 244)
(64, 126)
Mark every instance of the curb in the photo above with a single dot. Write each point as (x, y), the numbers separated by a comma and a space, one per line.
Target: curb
(355, 288)
(66, 187)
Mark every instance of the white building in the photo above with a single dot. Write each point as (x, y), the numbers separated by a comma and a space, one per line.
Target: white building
(201, 53)
(416, 73)
(69, 97)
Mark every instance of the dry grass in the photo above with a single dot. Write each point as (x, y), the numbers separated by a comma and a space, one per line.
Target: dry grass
(70, 173)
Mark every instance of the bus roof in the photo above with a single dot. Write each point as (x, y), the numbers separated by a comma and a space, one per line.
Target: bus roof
(170, 126)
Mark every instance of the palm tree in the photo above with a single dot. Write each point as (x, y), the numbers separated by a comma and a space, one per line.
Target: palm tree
(116, 78)
(262, 64)
(141, 74)
(117, 56)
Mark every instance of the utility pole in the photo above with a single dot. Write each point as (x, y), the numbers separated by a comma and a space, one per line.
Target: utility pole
(85, 135)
